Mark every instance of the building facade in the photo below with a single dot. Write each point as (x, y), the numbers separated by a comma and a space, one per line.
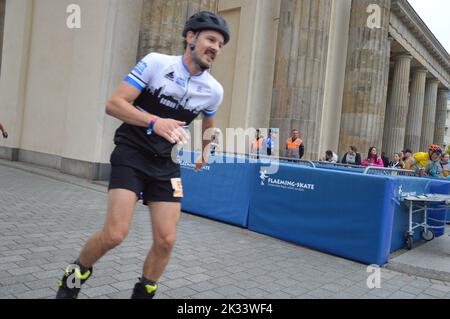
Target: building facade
(447, 125)
(342, 72)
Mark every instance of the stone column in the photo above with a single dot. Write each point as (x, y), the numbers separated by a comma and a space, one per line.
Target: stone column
(2, 23)
(162, 23)
(429, 114)
(415, 111)
(397, 107)
(366, 79)
(14, 73)
(441, 115)
(300, 67)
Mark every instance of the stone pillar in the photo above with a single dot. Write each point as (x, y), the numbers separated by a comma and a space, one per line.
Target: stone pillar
(429, 114)
(415, 111)
(441, 115)
(14, 74)
(2, 24)
(397, 107)
(366, 79)
(300, 67)
(162, 23)
(335, 76)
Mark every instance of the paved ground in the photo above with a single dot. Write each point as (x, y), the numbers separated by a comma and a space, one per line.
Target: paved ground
(44, 222)
(430, 259)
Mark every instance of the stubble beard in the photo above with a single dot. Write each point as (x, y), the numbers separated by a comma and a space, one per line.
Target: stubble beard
(203, 66)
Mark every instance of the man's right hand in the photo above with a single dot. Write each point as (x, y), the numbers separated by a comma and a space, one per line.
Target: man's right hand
(5, 134)
(171, 130)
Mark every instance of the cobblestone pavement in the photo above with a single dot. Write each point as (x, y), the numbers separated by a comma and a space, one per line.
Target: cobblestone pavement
(44, 222)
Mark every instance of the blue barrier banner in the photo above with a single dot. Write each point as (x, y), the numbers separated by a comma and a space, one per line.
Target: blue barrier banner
(338, 211)
(221, 191)
(345, 214)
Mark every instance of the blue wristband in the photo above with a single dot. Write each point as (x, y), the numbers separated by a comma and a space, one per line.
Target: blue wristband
(151, 125)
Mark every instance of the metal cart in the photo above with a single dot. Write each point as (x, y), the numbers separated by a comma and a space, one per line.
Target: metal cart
(421, 203)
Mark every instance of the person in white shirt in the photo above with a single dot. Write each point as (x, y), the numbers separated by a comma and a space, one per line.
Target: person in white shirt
(159, 97)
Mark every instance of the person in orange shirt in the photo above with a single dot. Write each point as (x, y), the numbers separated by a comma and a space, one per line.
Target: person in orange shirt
(257, 144)
(295, 147)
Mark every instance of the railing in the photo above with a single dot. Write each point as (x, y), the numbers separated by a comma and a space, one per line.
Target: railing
(338, 165)
(259, 157)
(388, 171)
(370, 170)
(295, 160)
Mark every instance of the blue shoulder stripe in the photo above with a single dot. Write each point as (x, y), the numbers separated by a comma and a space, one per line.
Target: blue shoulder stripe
(208, 114)
(138, 78)
(133, 83)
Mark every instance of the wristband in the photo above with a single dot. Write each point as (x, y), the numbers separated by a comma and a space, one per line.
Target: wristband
(151, 125)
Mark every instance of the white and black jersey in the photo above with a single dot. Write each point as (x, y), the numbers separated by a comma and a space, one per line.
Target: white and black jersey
(168, 90)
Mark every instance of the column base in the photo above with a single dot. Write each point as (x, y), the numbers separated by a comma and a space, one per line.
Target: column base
(88, 170)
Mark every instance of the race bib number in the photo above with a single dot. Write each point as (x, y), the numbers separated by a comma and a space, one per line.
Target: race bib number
(177, 187)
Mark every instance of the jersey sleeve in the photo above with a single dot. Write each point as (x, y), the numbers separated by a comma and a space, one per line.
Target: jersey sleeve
(421, 158)
(140, 76)
(217, 99)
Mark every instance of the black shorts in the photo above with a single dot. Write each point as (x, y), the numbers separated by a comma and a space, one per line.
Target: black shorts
(151, 177)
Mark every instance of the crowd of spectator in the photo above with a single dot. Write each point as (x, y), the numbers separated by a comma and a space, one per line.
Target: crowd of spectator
(294, 145)
(433, 163)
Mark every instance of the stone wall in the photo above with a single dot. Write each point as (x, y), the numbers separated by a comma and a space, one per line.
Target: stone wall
(162, 23)
(2, 22)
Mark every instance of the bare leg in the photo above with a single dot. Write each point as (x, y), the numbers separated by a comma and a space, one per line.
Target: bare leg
(121, 203)
(165, 217)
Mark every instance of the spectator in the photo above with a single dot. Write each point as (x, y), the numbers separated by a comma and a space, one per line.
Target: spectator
(257, 144)
(4, 133)
(407, 154)
(433, 167)
(295, 147)
(352, 156)
(401, 155)
(269, 144)
(373, 159)
(396, 162)
(405, 157)
(385, 159)
(330, 157)
(445, 164)
(419, 160)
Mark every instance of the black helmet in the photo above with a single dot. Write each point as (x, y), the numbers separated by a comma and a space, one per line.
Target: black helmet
(206, 20)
